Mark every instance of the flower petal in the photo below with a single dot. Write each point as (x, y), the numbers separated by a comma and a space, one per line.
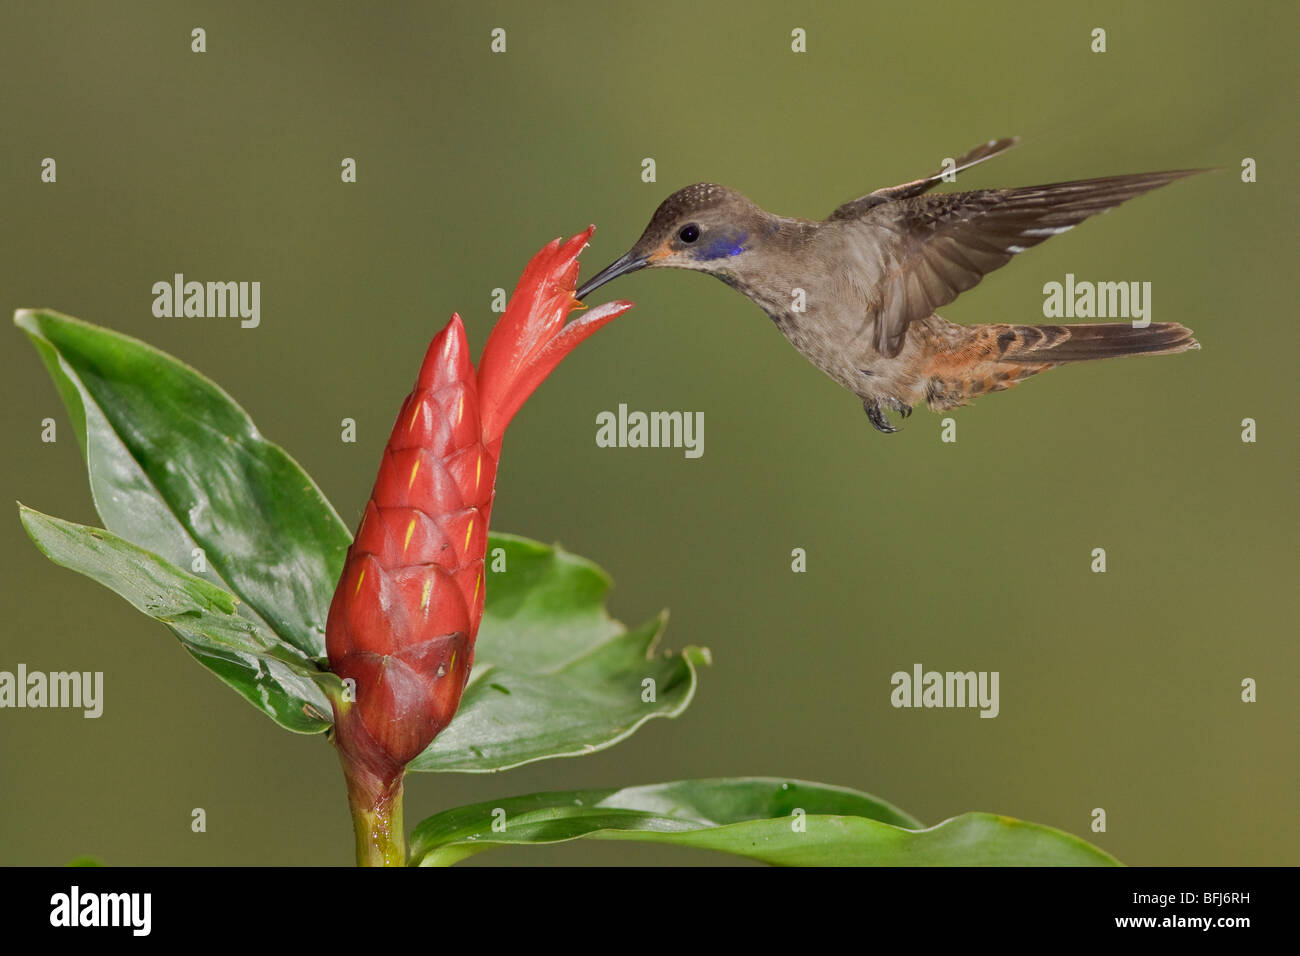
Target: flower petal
(533, 317)
(540, 364)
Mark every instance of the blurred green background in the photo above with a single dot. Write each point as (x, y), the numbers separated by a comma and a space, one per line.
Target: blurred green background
(1118, 691)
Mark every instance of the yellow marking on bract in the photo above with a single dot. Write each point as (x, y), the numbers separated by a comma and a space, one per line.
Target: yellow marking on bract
(477, 584)
(415, 414)
(424, 596)
(414, 469)
(410, 530)
(453, 661)
(478, 471)
(460, 408)
(360, 577)
(468, 532)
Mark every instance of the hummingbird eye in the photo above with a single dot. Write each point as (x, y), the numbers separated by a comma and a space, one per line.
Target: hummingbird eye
(689, 233)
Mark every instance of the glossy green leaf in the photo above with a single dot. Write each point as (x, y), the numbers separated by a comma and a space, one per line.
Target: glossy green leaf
(554, 675)
(271, 674)
(175, 464)
(753, 817)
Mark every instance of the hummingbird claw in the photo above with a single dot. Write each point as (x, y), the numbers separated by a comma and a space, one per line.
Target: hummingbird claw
(877, 417)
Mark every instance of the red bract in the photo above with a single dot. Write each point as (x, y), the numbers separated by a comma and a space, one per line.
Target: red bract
(531, 338)
(407, 608)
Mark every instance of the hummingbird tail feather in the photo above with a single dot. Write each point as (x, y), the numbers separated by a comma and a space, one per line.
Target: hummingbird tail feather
(996, 357)
(1081, 343)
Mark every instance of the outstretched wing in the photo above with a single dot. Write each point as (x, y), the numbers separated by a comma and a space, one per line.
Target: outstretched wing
(930, 249)
(856, 207)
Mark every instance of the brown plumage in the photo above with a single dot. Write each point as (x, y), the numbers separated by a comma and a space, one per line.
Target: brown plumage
(856, 293)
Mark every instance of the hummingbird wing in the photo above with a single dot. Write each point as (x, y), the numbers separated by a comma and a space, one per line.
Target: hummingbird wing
(927, 250)
(856, 207)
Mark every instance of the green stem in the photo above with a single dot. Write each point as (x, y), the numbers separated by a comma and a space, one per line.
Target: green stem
(374, 789)
(376, 803)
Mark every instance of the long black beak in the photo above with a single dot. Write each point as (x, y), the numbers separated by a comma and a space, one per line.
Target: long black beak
(621, 266)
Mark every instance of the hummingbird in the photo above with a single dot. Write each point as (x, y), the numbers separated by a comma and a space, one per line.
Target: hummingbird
(856, 292)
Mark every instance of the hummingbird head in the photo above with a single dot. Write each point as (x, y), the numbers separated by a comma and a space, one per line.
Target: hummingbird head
(705, 227)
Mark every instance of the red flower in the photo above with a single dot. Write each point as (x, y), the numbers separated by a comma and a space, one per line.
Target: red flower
(531, 338)
(407, 609)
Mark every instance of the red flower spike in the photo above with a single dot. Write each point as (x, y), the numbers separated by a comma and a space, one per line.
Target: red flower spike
(406, 612)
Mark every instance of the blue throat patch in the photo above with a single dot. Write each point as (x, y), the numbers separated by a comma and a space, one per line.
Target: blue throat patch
(723, 247)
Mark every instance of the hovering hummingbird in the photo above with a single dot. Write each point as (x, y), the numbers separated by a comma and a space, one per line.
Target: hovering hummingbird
(874, 271)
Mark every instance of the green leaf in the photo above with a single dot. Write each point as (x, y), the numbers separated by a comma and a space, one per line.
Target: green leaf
(176, 464)
(271, 674)
(554, 675)
(753, 817)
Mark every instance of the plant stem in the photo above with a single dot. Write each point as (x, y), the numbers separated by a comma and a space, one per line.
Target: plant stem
(376, 803)
(374, 789)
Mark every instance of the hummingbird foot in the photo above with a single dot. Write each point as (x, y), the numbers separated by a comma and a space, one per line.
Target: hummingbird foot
(876, 415)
